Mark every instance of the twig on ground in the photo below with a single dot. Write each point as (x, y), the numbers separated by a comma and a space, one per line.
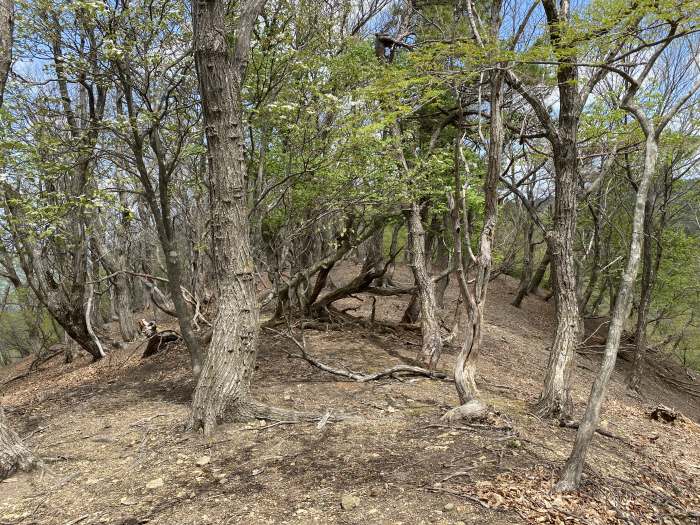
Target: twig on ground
(457, 474)
(78, 519)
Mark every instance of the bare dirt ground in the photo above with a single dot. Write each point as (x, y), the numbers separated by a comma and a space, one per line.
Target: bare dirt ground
(112, 437)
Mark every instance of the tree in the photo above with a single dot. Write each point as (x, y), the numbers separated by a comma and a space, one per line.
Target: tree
(223, 389)
(652, 127)
(474, 300)
(13, 454)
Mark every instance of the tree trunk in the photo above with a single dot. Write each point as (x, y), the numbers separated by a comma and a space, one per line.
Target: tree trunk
(389, 275)
(14, 456)
(6, 26)
(442, 257)
(526, 275)
(430, 327)
(571, 474)
(598, 216)
(223, 389)
(122, 307)
(640, 340)
(555, 400)
(474, 301)
(539, 273)
(375, 255)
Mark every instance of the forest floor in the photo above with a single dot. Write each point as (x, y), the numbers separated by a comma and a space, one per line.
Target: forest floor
(115, 451)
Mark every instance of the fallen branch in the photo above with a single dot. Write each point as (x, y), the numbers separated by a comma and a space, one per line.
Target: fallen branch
(565, 423)
(350, 374)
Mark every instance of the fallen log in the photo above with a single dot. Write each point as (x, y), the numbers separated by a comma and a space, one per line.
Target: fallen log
(394, 371)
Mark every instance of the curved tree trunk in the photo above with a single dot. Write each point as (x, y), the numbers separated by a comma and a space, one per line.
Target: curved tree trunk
(474, 301)
(223, 389)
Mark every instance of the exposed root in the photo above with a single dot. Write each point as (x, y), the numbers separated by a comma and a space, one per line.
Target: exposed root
(251, 409)
(554, 408)
(259, 410)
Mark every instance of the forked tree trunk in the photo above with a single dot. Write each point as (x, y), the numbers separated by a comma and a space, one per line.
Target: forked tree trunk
(14, 456)
(430, 327)
(474, 301)
(223, 389)
(571, 474)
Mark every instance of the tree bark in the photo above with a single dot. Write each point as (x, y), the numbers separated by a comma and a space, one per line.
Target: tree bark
(475, 300)
(223, 389)
(6, 26)
(555, 400)
(430, 327)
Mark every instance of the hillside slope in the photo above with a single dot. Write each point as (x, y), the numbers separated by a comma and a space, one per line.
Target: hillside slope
(115, 450)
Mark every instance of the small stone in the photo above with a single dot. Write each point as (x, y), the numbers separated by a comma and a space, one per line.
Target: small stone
(349, 502)
(155, 484)
(448, 507)
(92, 481)
(127, 501)
(204, 460)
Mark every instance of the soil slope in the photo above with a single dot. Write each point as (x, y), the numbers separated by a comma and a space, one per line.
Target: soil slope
(111, 434)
